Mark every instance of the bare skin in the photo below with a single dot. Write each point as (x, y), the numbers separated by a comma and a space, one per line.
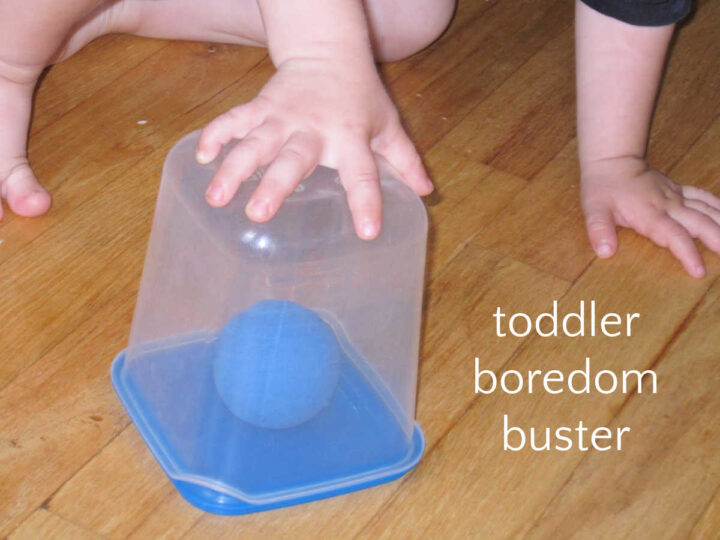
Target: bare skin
(325, 104)
(618, 74)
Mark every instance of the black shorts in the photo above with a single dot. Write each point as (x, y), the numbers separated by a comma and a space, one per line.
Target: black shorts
(643, 12)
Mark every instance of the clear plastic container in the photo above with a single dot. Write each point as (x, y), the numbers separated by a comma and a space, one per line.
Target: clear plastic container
(272, 364)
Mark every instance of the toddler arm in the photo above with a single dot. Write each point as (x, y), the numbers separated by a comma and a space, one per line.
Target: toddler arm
(619, 66)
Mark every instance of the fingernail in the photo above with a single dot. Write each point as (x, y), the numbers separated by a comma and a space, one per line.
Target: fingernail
(604, 250)
(429, 185)
(369, 229)
(258, 209)
(699, 271)
(202, 157)
(214, 193)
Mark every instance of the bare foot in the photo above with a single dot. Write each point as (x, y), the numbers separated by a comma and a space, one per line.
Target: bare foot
(18, 185)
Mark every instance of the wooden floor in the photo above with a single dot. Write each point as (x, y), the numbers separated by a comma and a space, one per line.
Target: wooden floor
(491, 108)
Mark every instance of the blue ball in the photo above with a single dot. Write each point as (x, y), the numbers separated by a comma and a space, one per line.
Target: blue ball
(276, 364)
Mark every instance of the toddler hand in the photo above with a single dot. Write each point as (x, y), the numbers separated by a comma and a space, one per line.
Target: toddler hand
(627, 192)
(313, 111)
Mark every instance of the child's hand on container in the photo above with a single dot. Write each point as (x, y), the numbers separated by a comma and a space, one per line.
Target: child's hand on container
(327, 111)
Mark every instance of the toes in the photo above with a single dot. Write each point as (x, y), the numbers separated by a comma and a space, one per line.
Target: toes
(24, 194)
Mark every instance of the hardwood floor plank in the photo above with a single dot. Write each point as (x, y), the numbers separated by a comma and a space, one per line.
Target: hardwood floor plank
(101, 63)
(106, 506)
(522, 124)
(441, 91)
(461, 36)
(700, 166)
(48, 526)
(688, 101)
(61, 411)
(468, 195)
(543, 225)
(169, 520)
(708, 525)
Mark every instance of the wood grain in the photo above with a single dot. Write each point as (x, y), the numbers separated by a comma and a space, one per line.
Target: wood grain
(671, 467)
(490, 105)
(44, 524)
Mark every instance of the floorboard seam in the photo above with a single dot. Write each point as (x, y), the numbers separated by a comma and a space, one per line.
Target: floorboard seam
(99, 90)
(66, 335)
(514, 354)
(704, 510)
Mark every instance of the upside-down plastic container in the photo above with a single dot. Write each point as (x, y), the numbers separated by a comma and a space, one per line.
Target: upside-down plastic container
(273, 364)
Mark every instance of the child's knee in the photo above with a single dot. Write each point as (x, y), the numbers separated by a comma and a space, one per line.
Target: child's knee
(400, 28)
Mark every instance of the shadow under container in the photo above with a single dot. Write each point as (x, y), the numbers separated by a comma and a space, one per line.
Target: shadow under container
(273, 364)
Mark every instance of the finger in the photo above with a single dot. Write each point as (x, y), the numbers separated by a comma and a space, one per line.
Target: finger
(259, 147)
(234, 124)
(699, 225)
(297, 159)
(359, 175)
(703, 207)
(402, 154)
(667, 232)
(601, 231)
(693, 192)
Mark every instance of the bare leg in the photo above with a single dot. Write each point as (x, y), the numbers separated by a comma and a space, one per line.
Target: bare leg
(399, 28)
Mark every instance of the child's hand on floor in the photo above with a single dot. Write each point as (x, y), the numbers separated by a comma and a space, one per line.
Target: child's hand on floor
(313, 111)
(629, 193)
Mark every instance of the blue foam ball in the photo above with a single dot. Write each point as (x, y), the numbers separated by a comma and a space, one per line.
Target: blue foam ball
(276, 364)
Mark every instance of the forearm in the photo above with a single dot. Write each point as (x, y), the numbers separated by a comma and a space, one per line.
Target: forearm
(618, 70)
(316, 29)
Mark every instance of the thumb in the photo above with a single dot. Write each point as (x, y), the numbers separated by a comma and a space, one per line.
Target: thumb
(600, 226)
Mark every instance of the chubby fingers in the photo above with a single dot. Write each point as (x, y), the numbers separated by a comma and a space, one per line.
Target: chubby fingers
(701, 206)
(693, 192)
(401, 153)
(699, 225)
(296, 160)
(359, 175)
(669, 233)
(257, 148)
(234, 124)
